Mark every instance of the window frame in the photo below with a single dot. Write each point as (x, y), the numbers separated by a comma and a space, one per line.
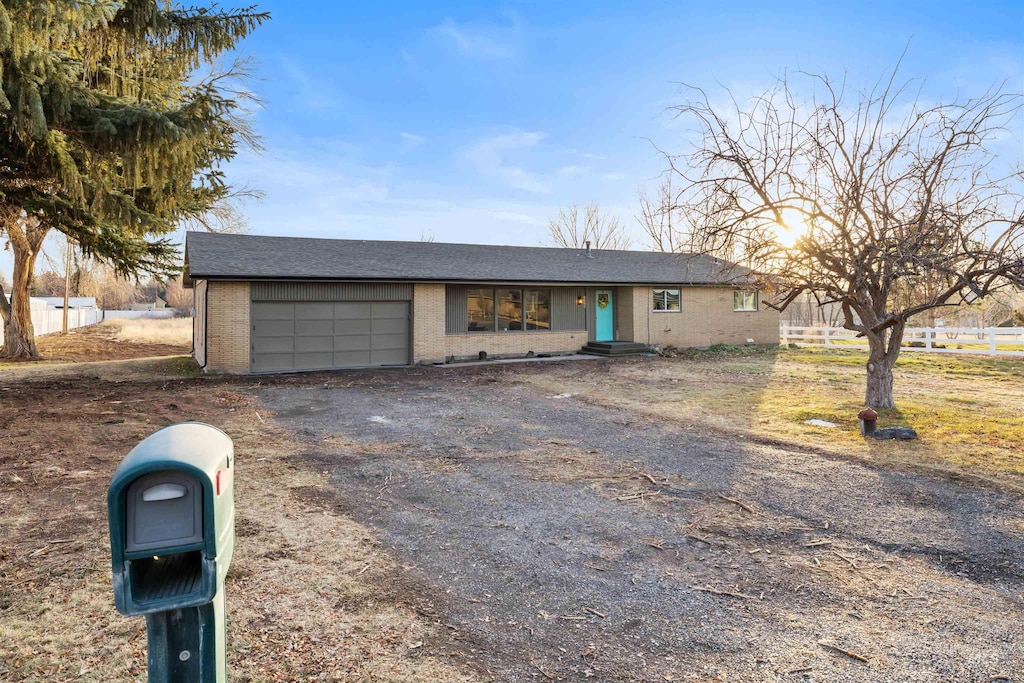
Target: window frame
(523, 321)
(665, 295)
(739, 294)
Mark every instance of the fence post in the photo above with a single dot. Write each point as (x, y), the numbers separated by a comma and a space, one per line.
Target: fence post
(826, 330)
(992, 341)
(928, 334)
(785, 335)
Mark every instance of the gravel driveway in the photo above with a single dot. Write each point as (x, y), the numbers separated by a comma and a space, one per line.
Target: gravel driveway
(557, 540)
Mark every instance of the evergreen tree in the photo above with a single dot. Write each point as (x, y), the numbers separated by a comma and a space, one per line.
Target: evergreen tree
(114, 121)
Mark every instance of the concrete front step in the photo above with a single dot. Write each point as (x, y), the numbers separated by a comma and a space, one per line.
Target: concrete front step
(615, 348)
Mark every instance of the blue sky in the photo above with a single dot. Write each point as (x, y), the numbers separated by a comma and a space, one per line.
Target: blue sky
(476, 122)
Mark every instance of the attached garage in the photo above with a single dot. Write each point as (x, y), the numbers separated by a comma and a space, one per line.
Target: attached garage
(323, 326)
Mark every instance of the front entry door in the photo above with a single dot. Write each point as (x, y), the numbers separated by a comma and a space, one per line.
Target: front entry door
(605, 328)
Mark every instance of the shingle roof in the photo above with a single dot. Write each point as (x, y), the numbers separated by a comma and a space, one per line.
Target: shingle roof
(256, 257)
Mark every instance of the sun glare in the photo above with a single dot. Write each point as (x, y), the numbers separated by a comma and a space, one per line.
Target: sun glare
(790, 229)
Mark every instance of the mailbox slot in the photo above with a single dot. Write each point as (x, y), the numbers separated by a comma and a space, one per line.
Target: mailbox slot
(164, 577)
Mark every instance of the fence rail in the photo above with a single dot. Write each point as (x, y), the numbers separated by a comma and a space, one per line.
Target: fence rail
(982, 341)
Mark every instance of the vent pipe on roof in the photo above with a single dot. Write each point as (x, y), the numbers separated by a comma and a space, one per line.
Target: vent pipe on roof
(587, 245)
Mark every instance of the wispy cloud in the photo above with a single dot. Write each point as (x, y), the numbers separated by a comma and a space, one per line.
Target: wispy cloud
(411, 141)
(475, 41)
(489, 156)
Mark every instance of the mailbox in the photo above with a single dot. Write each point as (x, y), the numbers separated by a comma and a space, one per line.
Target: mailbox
(172, 533)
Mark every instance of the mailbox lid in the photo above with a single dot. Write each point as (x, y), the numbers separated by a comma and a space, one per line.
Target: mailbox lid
(195, 449)
(163, 510)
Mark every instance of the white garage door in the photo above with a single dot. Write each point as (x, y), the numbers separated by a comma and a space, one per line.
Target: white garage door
(298, 335)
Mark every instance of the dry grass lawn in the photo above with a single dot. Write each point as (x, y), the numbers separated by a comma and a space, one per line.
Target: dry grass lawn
(170, 331)
(965, 409)
(304, 599)
(114, 339)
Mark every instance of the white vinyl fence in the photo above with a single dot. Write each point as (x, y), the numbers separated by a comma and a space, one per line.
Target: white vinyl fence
(986, 341)
(48, 321)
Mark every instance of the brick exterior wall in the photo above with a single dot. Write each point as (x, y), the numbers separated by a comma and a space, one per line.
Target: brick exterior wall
(707, 317)
(428, 338)
(513, 343)
(227, 343)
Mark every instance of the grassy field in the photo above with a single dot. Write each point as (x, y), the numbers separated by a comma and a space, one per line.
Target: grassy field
(965, 409)
(171, 331)
(114, 339)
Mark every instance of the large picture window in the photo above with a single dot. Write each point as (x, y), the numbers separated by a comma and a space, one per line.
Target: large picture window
(508, 309)
(666, 300)
(743, 300)
(480, 303)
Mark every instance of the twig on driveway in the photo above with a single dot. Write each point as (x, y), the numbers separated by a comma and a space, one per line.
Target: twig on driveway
(639, 495)
(848, 653)
(738, 503)
(594, 612)
(387, 483)
(715, 591)
(543, 672)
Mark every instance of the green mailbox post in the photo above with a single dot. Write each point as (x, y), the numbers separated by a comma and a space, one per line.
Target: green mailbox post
(171, 509)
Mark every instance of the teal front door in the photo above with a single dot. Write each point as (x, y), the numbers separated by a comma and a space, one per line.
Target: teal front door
(605, 328)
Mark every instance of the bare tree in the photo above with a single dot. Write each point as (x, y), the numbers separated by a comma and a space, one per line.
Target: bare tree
(879, 201)
(572, 230)
(177, 297)
(658, 218)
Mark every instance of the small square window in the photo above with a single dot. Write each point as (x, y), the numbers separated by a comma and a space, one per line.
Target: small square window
(744, 300)
(666, 300)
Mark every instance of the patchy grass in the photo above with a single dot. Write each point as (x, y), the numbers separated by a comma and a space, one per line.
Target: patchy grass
(170, 331)
(966, 410)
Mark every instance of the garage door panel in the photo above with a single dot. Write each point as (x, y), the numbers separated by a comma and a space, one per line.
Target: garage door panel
(307, 344)
(273, 345)
(389, 325)
(390, 309)
(352, 310)
(350, 359)
(314, 361)
(267, 362)
(273, 311)
(273, 328)
(297, 335)
(362, 326)
(390, 341)
(314, 311)
(305, 328)
(389, 357)
(354, 342)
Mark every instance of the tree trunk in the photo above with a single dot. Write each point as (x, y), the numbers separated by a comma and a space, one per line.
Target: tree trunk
(881, 360)
(19, 335)
(879, 391)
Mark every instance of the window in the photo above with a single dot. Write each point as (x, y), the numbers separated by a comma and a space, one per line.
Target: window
(508, 310)
(666, 300)
(744, 300)
(480, 303)
(538, 309)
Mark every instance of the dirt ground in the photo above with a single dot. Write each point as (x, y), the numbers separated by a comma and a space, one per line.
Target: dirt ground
(311, 594)
(571, 540)
(475, 524)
